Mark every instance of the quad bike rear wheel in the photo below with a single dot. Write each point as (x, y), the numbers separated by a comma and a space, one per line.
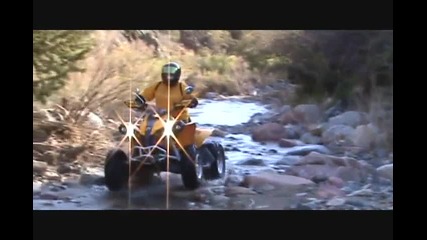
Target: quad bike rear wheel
(218, 167)
(116, 170)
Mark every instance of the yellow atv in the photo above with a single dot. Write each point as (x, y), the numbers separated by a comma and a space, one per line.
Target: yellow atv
(191, 152)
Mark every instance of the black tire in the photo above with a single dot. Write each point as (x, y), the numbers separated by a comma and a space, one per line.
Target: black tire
(218, 167)
(116, 170)
(188, 169)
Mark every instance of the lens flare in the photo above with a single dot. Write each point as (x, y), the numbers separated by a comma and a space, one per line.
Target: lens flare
(168, 134)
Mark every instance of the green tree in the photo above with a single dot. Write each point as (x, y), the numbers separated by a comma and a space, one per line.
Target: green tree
(55, 55)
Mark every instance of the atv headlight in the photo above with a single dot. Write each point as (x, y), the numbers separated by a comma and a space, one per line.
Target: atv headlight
(178, 126)
(122, 129)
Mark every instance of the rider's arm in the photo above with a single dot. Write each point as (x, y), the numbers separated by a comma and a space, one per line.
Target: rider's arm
(149, 92)
(194, 99)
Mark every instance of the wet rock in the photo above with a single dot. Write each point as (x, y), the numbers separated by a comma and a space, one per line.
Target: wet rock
(319, 179)
(309, 138)
(91, 179)
(211, 95)
(356, 203)
(233, 180)
(386, 171)
(236, 190)
(288, 160)
(252, 162)
(57, 187)
(336, 202)
(327, 191)
(382, 153)
(304, 150)
(287, 143)
(268, 132)
(272, 151)
(336, 181)
(231, 149)
(218, 133)
(301, 206)
(219, 201)
(361, 192)
(49, 196)
(37, 187)
(39, 167)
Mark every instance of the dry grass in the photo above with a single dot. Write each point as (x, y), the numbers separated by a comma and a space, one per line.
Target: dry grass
(379, 107)
(116, 66)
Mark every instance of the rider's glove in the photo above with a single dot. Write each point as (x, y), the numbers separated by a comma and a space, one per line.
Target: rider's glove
(194, 103)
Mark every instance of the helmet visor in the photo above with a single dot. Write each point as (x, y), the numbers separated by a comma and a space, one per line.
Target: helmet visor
(169, 70)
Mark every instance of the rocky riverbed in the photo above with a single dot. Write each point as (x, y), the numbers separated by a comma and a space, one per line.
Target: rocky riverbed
(287, 158)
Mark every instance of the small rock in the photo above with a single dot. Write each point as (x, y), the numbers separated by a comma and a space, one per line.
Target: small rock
(326, 191)
(288, 143)
(41, 147)
(211, 95)
(68, 168)
(349, 118)
(310, 139)
(288, 160)
(219, 200)
(236, 190)
(356, 203)
(386, 171)
(319, 178)
(56, 188)
(305, 150)
(268, 132)
(272, 150)
(91, 179)
(233, 180)
(39, 167)
(336, 181)
(252, 162)
(301, 206)
(307, 113)
(49, 196)
(276, 180)
(338, 133)
(50, 157)
(218, 133)
(53, 176)
(361, 192)
(335, 202)
(37, 187)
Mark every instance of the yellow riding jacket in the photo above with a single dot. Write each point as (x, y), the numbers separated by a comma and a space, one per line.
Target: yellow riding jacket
(159, 92)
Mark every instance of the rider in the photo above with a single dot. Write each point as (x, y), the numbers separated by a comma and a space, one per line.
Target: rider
(171, 73)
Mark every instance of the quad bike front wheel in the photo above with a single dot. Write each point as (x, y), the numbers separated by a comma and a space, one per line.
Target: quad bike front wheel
(191, 171)
(116, 170)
